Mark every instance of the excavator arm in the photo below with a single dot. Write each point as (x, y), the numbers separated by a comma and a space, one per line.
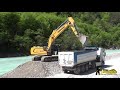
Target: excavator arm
(67, 23)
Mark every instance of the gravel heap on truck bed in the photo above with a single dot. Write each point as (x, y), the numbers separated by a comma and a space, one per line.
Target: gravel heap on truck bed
(34, 69)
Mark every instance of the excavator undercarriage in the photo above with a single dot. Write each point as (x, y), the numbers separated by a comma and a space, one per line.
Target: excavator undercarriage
(45, 58)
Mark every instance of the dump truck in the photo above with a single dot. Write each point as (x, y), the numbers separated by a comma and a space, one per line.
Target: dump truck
(44, 53)
(83, 60)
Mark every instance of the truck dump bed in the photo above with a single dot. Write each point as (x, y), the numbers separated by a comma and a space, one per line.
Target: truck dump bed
(71, 58)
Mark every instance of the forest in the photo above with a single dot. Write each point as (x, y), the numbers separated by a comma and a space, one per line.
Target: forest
(19, 31)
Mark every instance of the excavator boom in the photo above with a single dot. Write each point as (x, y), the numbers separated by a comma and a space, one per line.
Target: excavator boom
(68, 23)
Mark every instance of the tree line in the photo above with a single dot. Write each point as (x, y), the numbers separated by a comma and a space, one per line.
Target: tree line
(19, 31)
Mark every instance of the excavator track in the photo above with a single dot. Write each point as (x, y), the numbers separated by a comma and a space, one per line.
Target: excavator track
(45, 58)
(49, 58)
(36, 58)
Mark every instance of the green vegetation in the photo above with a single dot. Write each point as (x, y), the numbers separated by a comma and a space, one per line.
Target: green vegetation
(19, 31)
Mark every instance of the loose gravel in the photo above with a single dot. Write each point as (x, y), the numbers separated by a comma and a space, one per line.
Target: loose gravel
(34, 69)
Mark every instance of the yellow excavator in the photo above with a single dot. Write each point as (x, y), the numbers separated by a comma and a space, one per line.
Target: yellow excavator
(44, 53)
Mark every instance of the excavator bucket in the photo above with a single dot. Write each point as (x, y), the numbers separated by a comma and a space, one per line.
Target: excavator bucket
(83, 39)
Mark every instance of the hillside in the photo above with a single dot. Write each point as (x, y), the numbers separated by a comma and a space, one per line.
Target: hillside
(19, 31)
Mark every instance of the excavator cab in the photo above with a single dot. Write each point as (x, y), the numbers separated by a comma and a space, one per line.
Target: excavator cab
(37, 50)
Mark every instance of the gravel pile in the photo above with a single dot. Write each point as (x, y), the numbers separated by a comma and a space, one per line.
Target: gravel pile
(34, 69)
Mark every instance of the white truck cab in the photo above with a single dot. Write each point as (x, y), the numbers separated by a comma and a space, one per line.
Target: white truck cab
(100, 54)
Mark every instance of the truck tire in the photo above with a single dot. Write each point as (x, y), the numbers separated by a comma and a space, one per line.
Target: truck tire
(77, 70)
(82, 68)
(86, 67)
(65, 71)
(93, 65)
(103, 62)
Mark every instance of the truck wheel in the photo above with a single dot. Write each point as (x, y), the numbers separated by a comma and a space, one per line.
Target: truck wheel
(82, 68)
(77, 70)
(103, 62)
(65, 71)
(86, 67)
(93, 65)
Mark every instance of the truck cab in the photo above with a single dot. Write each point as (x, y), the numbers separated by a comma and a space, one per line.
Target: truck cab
(100, 54)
